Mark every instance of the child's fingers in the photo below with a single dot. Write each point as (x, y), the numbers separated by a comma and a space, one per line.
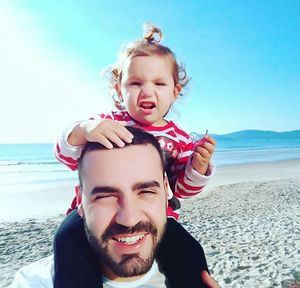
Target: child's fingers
(205, 150)
(201, 154)
(113, 137)
(123, 133)
(116, 134)
(107, 132)
(203, 142)
(200, 162)
(102, 140)
(118, 129)
(211, 140)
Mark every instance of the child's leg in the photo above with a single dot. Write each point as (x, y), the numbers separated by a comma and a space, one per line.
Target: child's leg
(173, 209)
(75, 263)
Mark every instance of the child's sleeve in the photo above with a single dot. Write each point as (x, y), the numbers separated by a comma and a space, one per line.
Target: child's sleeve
(68, 154)
(189, 182)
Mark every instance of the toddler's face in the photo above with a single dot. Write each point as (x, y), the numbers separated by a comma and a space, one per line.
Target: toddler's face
(148, 89)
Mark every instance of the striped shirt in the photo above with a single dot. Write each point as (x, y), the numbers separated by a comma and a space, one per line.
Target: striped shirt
(177, 147)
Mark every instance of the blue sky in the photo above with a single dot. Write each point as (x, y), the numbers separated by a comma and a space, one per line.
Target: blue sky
(243, 58)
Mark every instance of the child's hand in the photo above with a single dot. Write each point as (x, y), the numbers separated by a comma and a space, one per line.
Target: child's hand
(107, 132)
(209, 281)
(104, 131)
(202, 154)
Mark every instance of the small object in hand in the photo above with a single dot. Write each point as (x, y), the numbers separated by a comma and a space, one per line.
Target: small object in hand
(201, 141)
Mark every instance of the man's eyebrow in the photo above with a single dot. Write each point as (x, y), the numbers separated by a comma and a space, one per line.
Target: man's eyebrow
(103, 189)
(145, 185)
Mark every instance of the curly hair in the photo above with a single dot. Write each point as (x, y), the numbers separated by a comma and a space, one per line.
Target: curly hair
(149, 45)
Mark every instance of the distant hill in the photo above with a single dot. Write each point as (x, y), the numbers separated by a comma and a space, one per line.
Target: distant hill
(255, 134)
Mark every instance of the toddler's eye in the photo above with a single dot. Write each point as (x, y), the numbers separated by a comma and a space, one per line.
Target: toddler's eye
(160, 84)
(135, 83)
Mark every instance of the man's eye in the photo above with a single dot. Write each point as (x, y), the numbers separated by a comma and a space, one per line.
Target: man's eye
(103, 197)
(148, 192)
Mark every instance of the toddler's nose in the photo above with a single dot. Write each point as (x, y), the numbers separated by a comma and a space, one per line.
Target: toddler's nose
(146, 91)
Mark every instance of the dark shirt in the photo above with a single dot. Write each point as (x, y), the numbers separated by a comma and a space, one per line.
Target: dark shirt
(180, 257)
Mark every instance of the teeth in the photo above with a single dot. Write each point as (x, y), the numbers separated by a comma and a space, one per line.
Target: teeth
(130, 240)
(148, 105)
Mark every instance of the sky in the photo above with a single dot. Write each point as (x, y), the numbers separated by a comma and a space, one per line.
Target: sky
(243, 58)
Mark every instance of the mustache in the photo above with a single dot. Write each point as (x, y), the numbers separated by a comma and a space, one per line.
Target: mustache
(117, 229)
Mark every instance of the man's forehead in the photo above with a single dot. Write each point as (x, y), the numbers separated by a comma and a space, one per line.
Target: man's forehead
(122, 168)
(126, 157)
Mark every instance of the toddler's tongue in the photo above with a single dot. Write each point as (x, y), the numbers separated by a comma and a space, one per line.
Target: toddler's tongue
(147, 105)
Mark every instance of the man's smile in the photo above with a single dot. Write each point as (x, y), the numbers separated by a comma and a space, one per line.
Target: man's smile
(131, 244)
(129, 240)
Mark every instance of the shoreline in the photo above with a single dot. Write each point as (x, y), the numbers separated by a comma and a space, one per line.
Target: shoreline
(262, 171)
(53, 198)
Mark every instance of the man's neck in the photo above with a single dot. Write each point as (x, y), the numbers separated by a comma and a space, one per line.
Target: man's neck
(109, 274)
(153, 278)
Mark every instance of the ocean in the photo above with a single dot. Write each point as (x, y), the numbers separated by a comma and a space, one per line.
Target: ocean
(243, 151)
(22, 165)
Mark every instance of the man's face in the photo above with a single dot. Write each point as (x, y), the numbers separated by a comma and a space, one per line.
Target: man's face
(124, 198)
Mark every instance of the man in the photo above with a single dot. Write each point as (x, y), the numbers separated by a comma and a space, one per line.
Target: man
(123, 196)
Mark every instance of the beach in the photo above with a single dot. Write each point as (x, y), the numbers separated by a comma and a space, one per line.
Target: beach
(247, 219)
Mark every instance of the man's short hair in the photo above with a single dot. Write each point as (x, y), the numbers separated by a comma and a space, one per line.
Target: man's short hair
(140, 137)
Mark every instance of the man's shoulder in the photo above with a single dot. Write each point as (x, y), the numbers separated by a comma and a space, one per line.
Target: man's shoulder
(36, 274)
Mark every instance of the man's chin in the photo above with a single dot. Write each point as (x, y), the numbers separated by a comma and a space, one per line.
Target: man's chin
(130, 261)
(131, 265)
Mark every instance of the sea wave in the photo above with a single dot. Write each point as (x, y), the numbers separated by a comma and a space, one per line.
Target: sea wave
(25, 167)
(243, 156)
(16, 163)
(258, 150)
(31, 171)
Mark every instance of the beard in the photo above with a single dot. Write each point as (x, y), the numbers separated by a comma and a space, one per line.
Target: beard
(129, 265)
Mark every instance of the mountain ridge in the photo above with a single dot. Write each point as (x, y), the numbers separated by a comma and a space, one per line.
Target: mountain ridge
(254, 134)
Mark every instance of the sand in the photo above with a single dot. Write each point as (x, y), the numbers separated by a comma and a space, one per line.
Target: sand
(250, 232)
(248, 222)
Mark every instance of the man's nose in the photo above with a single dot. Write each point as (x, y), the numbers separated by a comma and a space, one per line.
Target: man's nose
(129, 213)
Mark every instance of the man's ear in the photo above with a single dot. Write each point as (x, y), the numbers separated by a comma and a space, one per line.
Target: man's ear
(80, 210)
(168, 190)
(78, 192)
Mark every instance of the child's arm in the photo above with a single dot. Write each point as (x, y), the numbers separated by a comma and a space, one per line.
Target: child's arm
(104, 129)
(202, 154)
(194, 171)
